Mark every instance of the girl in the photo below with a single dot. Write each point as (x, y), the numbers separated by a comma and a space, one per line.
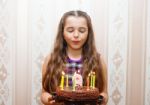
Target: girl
(74, 49)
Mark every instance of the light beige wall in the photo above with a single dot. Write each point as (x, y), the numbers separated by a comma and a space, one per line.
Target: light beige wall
(8, 31)
(122, 33)
(137, 45)
(147, 56)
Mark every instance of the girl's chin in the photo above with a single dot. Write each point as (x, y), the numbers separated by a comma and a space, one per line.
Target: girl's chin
(76, 48)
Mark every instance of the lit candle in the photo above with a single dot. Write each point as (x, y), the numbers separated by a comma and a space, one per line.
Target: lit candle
(93, 79)
(67, 80)
(88, 82)
(62, 81)
(74, 84)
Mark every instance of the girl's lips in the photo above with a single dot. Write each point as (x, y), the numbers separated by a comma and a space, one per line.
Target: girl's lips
(76, 42)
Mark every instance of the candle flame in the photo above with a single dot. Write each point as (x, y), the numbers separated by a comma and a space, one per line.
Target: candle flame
(63, 73)
(89, 75)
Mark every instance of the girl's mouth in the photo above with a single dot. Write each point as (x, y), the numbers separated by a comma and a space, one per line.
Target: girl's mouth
(76, 42)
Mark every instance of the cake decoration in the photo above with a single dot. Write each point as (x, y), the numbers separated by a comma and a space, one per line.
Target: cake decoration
(77, 92)
(78, 79)
(62, 81)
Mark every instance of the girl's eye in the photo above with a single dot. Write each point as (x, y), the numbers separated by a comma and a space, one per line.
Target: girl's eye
(82, 30)
(70, 30)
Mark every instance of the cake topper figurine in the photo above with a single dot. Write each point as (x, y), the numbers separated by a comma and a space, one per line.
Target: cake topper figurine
(77, 80)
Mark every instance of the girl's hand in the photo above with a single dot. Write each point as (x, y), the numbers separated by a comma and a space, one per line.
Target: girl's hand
(51, 101)
(105, 98)
(47, 99)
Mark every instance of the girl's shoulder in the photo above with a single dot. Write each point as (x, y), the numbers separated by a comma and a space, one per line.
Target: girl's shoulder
(103, 61)
(102, 58)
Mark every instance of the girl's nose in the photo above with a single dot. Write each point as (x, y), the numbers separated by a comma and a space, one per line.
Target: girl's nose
(76, 34)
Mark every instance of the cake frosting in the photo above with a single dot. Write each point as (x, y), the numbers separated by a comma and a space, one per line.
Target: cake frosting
(79, 94)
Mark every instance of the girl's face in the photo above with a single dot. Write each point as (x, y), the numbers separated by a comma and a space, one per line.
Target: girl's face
(75, 32)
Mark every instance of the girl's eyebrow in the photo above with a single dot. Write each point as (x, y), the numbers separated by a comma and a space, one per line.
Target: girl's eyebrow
(69, 27)
(83, 27)
(79, 27)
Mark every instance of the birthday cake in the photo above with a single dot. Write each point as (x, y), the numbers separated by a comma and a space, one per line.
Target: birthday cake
(78, 92)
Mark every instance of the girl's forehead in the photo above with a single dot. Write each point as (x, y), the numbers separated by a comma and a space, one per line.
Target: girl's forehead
(76, 21)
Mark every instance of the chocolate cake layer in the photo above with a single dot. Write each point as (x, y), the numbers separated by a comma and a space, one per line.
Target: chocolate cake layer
(80, 93)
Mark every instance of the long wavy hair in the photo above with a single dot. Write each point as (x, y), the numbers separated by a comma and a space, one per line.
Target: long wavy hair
(57, 60)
